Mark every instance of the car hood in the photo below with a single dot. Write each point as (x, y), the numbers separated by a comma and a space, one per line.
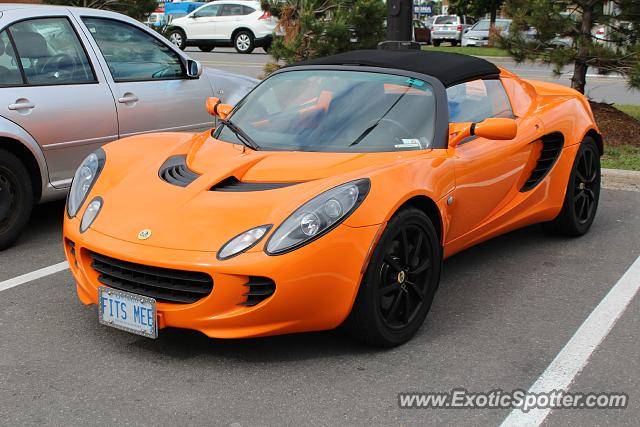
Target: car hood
(201, 217)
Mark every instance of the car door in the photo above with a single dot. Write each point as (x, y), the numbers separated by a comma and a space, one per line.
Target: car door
(489, 174)
(201, 23)
(230, 16)
(54, 90)
(148, 79)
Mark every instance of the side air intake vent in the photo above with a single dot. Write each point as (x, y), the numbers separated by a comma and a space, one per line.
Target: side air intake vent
(175, 171)
(260, 288)
(551, 148)
(233, 184)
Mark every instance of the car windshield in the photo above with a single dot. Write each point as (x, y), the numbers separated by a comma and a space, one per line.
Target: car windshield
(336, 111)
(446, 20)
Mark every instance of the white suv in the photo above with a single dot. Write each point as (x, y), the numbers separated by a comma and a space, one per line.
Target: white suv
(237, 23)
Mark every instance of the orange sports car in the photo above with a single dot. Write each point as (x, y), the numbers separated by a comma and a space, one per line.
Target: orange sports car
(328, 196)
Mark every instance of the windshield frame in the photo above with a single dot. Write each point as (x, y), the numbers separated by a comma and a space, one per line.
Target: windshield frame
(441, 131)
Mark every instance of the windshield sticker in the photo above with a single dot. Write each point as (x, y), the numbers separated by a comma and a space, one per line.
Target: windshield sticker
(415, 82)
(409, 143)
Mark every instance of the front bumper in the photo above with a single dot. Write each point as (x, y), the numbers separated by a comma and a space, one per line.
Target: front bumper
(315, 285)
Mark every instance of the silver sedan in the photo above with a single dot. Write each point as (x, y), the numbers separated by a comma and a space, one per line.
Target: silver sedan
(72, 79)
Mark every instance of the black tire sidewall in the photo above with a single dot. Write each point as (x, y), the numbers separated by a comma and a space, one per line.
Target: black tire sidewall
(251, 42)
(365, 322)
(22, 182)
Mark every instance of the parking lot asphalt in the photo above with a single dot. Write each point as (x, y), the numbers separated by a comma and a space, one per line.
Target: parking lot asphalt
(503, 311)
(609, 89)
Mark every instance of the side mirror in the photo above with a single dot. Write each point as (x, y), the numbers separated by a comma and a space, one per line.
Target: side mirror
(194, 69)
(218, 109)
(492, 128)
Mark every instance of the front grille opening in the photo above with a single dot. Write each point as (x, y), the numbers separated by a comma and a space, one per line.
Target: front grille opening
(175, 171)
(260, 288)
(163, 284)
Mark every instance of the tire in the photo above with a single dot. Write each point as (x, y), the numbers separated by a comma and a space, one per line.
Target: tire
(178, 38)
(454, 43)
(267, 47)
(206, 48)
(16, 198)
(243, 42)
(436, 43)
(583, 193)
(397, 290)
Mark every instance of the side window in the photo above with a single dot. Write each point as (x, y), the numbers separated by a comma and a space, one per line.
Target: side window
(50, 52)
(246, 10)
(132, 54)
(231, 10)
(9, 70)
(477, 100)
(208, 11)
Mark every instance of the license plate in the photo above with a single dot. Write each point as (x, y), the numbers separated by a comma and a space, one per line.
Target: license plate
(130, 312)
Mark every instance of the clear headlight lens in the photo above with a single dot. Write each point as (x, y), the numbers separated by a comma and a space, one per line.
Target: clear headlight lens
(90, 214)
(83, 180)
(243, 242)
(318, 216)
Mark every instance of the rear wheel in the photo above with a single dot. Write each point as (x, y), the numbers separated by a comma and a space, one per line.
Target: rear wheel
(583, 192)
(454, 43)
(16, 198)
(398, 287)
(436, 43)
(243, 42)
(178, 38)
(206, 48)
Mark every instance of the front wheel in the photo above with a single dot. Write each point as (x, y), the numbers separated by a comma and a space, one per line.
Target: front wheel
(400, 282)
(583, 192)
(454, 43)
(436, 43)
(178, 38)
(16, 198)
(243, 42)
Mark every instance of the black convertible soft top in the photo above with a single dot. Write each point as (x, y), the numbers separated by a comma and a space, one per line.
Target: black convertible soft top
(449, 68)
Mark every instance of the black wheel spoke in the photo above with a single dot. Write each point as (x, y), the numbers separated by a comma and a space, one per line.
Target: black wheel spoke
(424, 265)
(417, 290)
(407, 308)
(415, 259)
(579, 175)
(405, 247)
(394, 307)
(386, 290)
(578, 196)
(392, 263)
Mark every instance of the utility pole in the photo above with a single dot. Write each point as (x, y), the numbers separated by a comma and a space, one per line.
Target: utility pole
(399, 26)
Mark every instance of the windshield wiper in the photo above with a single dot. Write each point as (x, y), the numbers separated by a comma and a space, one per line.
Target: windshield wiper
(240, 134)
(364, 134)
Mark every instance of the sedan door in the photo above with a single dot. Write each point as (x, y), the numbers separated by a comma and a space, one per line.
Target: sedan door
(148, 78)
(54, 91)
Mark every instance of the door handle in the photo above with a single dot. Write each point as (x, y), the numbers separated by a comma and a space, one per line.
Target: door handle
(22, 105)
(128, 98)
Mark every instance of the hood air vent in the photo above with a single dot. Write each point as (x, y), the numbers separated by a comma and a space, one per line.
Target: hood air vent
(233, 184)
(551, 148)
(175, 171)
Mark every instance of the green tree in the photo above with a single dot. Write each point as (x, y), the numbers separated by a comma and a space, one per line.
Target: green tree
(561, 32)
(137, 9)
(315, 28)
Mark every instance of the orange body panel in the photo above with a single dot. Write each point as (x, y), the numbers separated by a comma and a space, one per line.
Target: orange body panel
(475, 187)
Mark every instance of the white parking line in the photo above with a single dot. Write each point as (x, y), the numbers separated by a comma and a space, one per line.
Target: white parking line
(576, 353)
(34, 275)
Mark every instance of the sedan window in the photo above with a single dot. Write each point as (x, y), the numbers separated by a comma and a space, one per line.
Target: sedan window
(132, 54)
(9, 71)
(50, 52)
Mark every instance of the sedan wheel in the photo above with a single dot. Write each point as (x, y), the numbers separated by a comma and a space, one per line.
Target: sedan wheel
(16, 198)
(401, 280)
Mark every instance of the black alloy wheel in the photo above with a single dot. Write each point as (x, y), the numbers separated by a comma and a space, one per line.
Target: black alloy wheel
(398, 287)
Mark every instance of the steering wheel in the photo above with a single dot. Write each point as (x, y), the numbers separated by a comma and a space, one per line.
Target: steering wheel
(55, 62)
(394, 123)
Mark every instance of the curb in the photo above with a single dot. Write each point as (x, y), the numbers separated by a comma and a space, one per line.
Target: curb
(619, 179)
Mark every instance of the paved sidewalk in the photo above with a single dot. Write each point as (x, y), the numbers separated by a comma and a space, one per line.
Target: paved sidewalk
(618, 179)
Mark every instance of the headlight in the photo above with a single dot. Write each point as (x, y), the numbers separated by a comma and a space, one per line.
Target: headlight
(83, 181)
(318, 216)
(243, 242)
